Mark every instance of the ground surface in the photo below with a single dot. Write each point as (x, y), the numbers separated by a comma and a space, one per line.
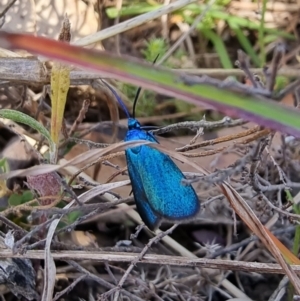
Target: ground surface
(216, 233)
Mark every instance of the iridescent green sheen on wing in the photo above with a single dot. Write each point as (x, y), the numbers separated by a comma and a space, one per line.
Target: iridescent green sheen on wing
(149, 217)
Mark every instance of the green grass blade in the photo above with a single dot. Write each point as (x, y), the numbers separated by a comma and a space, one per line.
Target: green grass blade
(136, 9)
(238, 21)
(219, 47)
(245, 43)
(261, 33)
(162, 80)
(20, 117)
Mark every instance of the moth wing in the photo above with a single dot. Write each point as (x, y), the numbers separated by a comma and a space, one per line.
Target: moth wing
(149, 217)
(159, 178)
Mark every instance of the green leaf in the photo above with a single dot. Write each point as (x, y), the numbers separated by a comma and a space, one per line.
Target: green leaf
(15, 200)
(245, 43)
(3, 165)
(73, 216)
(219, 47)
(60, 83)
(18, 199)
(27, 196)
(25, 119)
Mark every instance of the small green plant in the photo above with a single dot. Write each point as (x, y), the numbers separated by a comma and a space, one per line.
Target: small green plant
(239, 26)
(4, 167)
(18, 199)
(154, 47)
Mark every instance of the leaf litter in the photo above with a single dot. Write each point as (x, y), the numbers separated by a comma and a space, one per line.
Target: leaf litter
(231, 164)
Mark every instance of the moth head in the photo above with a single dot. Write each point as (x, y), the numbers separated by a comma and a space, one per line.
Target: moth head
(133, 124)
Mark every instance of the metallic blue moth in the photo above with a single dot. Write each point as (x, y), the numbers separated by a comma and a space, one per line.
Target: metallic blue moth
(156, 180)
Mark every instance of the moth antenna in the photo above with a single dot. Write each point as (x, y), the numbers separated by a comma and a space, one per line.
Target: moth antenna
(154, 61)
(118, 98)
(135, 100)
(139, 91)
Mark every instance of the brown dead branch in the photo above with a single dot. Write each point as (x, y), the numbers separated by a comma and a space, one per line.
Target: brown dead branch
(156, 259)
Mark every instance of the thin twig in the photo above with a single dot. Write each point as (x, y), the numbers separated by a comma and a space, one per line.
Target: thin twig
(243, 64)
(184, 35)
(80, 117)
(195, 125)
(12, 225)
(278, 54)
(228, 84)
(101, 159)
(6, 9)
(95, 210)
(89, 143)
(221, 139)
(69, 287)
(115, 257)
(116, 22)
(155, 239)
(30, 234)
(100, 280)
(245, 242)
(280, 290)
